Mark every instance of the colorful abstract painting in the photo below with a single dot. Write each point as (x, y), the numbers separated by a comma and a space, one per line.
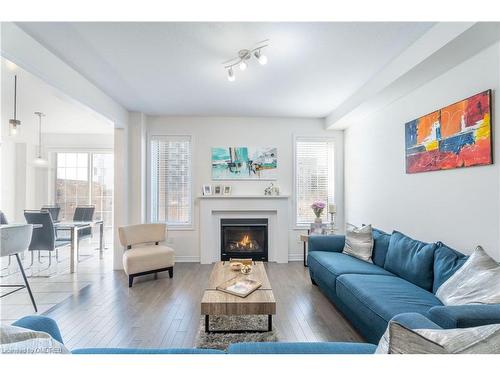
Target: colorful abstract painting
(455, 136)
(244, 163)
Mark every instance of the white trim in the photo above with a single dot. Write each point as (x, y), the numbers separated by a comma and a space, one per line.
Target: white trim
(149, 135)
(295, 257)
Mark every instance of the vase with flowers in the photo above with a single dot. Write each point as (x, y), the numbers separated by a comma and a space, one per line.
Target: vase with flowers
(318, 208)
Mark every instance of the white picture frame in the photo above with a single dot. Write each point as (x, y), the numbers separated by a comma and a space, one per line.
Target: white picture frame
(218, 190)
(207, 189)
(226, 190)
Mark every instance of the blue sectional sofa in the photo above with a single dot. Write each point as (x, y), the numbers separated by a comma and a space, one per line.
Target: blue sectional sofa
(403, 278)
(414, 321)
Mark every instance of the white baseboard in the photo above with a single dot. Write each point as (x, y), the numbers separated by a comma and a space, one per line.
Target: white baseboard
(187, 258)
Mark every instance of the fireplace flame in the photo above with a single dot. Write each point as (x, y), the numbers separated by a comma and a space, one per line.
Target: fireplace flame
(246, 241)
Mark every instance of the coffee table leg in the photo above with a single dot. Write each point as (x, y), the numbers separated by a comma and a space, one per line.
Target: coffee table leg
(269, 323)
(207, 323)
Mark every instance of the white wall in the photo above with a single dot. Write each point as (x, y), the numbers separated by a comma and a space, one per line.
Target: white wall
(212, 132)
(460, 207)
(23, 186)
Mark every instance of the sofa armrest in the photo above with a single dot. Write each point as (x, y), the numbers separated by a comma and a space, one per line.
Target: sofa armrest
(464, 316)
(334, 243)
(415, 321)
(301, 348)
(40, 324)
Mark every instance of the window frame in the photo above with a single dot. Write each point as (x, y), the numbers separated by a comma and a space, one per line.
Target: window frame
(170, 226)
(297, 138)
(52, 178)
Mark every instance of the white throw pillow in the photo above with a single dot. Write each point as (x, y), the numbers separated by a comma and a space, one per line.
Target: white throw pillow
(17, 340)
(476, 282)
(398, 339)
(359, 242)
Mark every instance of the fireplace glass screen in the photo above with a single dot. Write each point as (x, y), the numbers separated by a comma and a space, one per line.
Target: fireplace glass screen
(244, 238)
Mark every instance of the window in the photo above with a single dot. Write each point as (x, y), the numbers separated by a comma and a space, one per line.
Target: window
(84, 178)
(314, 178)
(171, 180)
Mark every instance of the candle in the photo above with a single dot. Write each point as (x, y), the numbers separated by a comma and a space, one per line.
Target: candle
(332, 208)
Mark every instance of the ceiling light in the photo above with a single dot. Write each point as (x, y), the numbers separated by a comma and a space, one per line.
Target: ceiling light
(262, 58)
(230, 75)
(243, 56)
(14, 123)
(39, 161)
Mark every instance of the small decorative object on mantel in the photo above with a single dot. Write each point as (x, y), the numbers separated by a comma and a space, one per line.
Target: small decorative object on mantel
(227, 190)
(207, 190)
(217, 190)
(272, 190)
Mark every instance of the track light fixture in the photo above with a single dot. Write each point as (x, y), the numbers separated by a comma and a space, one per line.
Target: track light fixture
(243, 56)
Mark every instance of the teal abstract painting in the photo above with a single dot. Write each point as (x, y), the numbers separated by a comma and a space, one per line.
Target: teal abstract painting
(244, 163)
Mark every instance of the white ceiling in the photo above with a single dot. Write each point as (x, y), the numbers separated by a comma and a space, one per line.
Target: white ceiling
(175, 68)
(63, 115)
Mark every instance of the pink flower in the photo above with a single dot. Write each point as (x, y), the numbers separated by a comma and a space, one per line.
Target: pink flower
(318, 205)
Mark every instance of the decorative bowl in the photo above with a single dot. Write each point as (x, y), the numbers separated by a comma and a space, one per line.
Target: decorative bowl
(236, 266)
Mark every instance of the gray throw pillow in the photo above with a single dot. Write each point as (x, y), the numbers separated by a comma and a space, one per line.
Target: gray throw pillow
(359, 242)
(476, 282)
(475, 340)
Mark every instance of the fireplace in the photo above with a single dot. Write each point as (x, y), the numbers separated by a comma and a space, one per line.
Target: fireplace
(244, 238)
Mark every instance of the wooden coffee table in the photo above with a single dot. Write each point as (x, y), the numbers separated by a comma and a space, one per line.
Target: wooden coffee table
(260, 302)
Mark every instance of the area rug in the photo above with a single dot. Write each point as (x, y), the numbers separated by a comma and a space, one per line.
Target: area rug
(222, 340)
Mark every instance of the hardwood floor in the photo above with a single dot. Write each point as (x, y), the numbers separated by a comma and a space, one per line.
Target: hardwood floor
(166, 312)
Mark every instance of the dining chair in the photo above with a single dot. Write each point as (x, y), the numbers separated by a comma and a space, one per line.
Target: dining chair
(54, 211)
(14, 240)
(43, 238)
(82, 213)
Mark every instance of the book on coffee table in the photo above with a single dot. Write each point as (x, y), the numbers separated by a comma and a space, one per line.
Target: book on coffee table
(239, 286)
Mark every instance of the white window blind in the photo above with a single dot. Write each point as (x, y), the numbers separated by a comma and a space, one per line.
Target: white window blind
(314, 175)
(171, 180)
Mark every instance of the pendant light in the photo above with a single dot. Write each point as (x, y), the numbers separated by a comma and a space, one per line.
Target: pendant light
(39, 161)
(14, 123)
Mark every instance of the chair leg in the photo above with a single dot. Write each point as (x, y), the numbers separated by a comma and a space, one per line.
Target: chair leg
(130, 281)
(171, 272)
(26, 281)
(39, 257)
(50, 259)
(32, 259)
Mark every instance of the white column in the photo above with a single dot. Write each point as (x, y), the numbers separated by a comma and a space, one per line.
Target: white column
(120, 204)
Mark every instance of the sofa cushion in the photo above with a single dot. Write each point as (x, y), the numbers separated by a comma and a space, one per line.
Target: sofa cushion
(446, 262)
(339, 264)
(411, 259)
(378, 298)
(301, 348)
(380, 246)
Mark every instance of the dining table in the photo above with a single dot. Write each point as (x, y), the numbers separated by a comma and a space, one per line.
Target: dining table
(75, 227)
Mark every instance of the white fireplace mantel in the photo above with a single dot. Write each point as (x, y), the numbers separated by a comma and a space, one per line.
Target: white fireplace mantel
(213, 208)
